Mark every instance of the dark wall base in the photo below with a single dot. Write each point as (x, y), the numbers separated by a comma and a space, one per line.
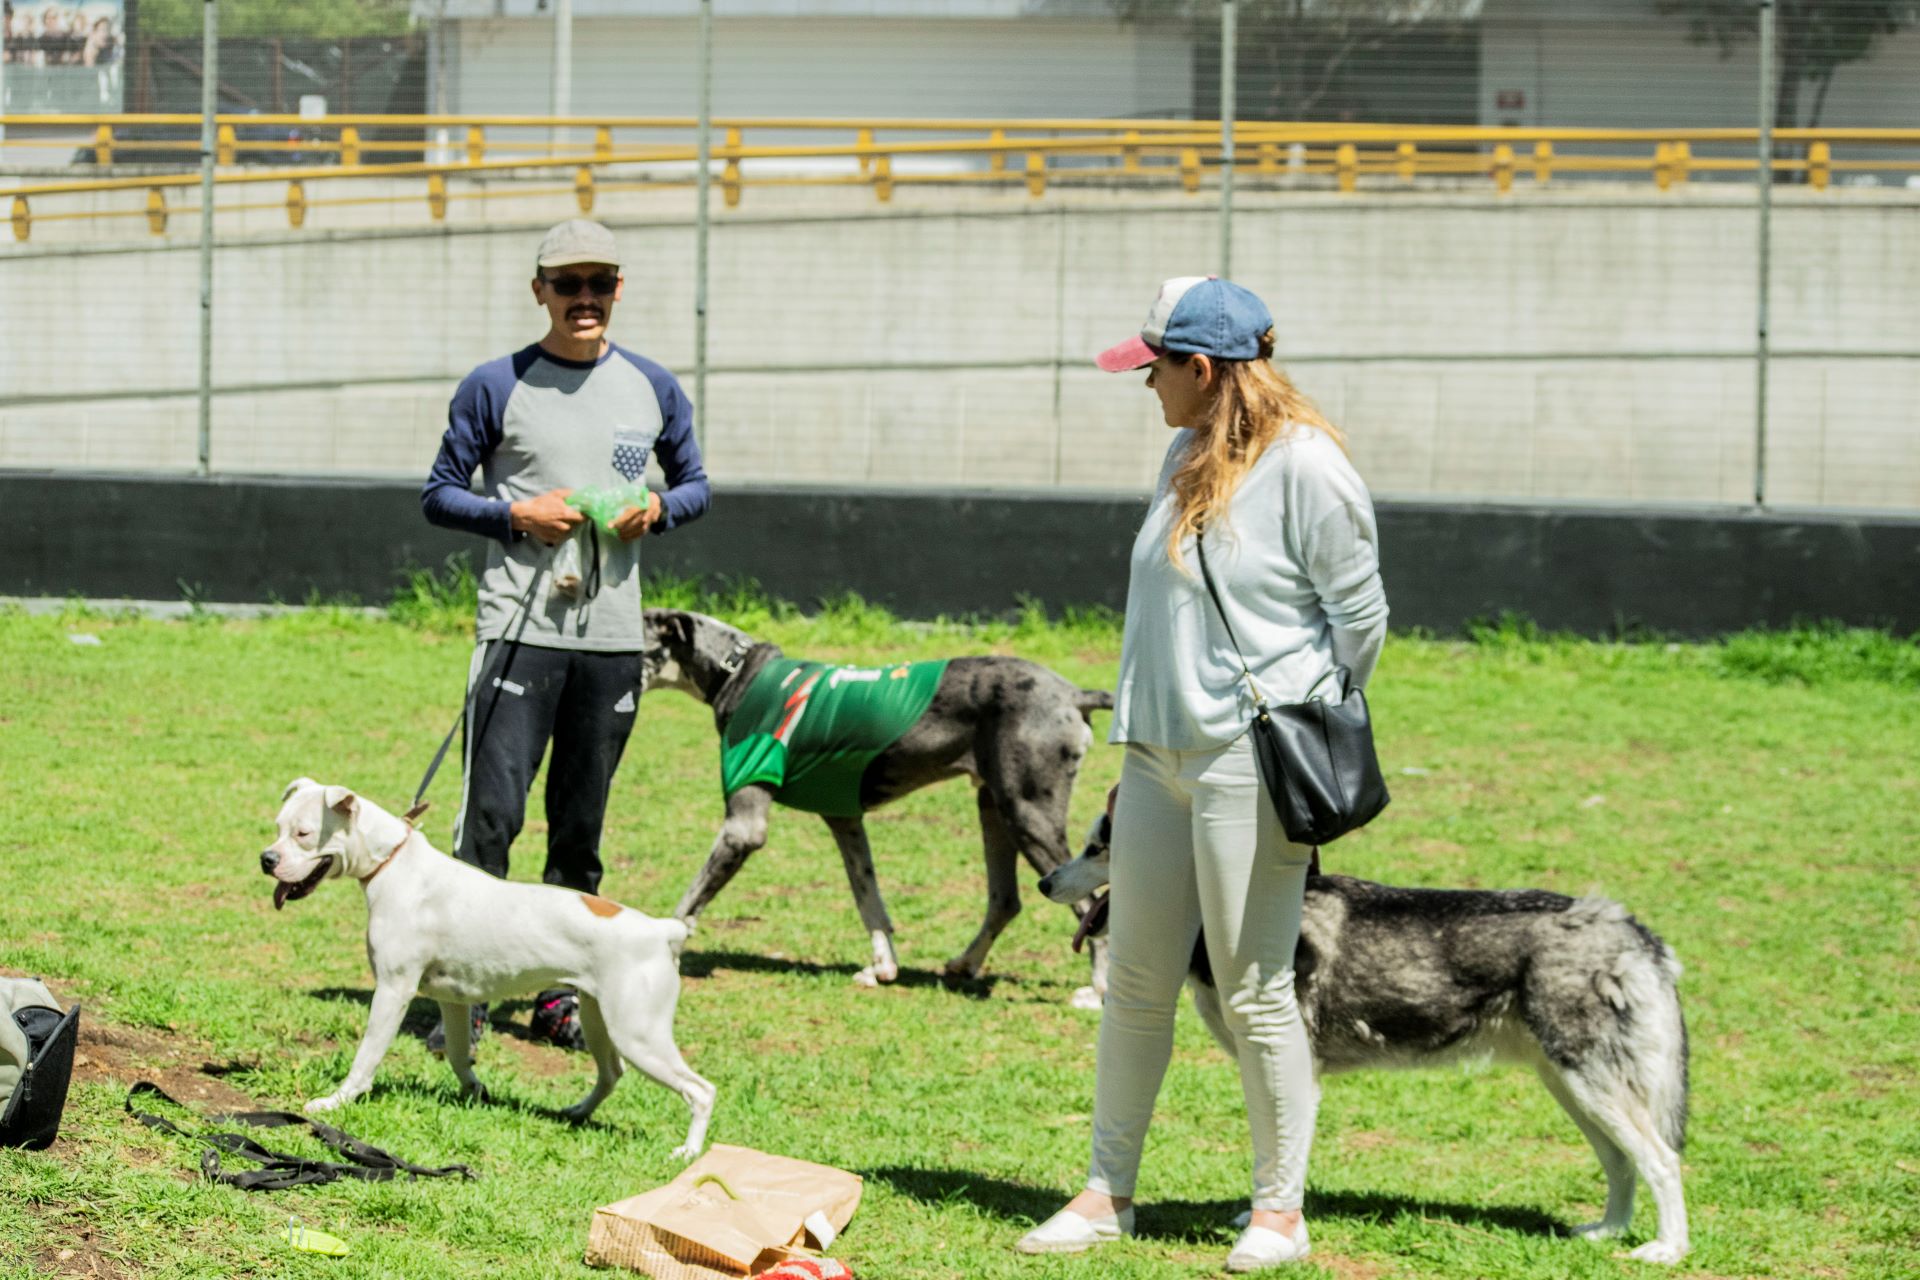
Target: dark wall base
(1688, 572)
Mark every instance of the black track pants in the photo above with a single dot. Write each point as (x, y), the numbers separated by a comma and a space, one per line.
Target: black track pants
(585, 704)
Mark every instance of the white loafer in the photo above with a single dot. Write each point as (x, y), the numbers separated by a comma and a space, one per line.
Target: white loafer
(1068, 1232)
(1258, 1248)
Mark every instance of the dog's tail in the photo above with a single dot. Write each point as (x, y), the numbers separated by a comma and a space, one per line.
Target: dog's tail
(1669, 1079)
(1088, 701)
(1648, 1032)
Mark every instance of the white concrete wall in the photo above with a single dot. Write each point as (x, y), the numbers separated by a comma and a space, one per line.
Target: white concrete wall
(1587, 345)
(1620, 64)
(827, 66)
(542, 10)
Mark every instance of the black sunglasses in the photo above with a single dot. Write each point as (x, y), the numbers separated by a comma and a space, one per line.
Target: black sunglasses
(603, 283)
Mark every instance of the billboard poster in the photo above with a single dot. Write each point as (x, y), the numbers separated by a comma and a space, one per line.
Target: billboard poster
(63, 55)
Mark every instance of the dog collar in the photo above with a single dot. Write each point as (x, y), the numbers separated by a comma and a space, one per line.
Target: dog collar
(1092, 923)
(736, 655)
(412, 813)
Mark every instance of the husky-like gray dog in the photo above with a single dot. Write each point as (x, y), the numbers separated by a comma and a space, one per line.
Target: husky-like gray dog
(1015, 728)
(1575, 988)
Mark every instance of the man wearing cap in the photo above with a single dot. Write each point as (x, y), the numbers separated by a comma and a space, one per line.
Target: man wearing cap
(558, 633)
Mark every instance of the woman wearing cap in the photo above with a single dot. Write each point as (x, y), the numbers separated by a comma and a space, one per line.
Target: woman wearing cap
(1291, 543)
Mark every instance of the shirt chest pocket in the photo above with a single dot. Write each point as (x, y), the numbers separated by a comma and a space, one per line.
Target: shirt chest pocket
(631, 448)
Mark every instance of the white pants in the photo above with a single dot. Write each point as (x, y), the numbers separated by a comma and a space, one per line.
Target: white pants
(1196, 842)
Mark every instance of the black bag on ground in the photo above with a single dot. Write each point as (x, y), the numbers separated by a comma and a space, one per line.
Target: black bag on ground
(37, 1047)
(1315, 756)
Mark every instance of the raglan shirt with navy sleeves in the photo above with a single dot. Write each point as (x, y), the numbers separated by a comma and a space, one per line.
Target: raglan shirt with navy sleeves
(531, 422)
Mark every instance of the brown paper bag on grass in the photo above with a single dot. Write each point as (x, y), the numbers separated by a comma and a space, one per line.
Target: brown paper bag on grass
(733, 1212)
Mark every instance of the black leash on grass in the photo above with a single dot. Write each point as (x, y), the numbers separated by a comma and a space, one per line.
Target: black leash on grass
(280, 1170)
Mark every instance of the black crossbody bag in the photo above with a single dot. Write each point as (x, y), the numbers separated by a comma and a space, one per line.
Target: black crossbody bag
(1316, 757)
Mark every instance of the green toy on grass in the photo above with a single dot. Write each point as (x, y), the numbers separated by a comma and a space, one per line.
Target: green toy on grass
(603, 506)
(307, 1240)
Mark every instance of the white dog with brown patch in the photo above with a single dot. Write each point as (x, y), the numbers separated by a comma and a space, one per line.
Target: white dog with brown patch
(455, 934)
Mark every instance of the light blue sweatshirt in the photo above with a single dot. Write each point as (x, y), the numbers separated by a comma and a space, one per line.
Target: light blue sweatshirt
(1296, 561)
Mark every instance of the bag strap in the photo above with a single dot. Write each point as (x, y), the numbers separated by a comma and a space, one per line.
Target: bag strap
(1200, 543)
(520, 615)
(280, 1170)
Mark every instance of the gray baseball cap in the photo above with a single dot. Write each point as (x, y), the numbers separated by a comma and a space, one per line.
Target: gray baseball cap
(577, 240)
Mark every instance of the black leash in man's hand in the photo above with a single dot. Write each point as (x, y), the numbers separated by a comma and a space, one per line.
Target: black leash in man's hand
(501, 656)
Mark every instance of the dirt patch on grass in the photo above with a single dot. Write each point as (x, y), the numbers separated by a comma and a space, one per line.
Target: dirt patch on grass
(112, 1054)
(1369, 1140)
(121, 1055)
(76, 1251)
(543, 1060)
(1349, 1268)
(1876, 1081)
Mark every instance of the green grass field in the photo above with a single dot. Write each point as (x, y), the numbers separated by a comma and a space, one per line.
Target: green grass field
(1755, 802)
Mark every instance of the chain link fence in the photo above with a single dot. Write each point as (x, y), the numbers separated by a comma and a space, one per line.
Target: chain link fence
(1519, 250)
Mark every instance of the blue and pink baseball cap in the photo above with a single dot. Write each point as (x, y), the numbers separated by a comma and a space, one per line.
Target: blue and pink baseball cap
(1195, 315)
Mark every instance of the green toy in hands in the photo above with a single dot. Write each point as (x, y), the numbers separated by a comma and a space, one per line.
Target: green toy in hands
(603, 506)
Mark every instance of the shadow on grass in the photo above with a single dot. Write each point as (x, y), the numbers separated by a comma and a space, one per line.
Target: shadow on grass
(1200, 1221)
(703, 964)
(451, 1095)
(423, 1014)
(420, 1018)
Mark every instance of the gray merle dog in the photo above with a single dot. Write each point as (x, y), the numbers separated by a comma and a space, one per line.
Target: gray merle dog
(1015, 728)
(1577, 989)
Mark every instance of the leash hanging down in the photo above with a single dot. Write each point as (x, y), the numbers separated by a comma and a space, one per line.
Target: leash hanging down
(504, 653)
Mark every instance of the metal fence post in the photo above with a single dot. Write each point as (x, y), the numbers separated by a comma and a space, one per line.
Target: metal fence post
(1059, 336)
(1764, 169)
(562, 69)
(1229, 39)
(700, 219)
(3, 81)
(209, 107)
(437, 42)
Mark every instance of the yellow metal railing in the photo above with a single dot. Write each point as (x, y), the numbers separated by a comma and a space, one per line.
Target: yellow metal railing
(611, 154)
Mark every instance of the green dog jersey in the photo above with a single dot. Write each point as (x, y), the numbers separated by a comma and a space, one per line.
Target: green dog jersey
(809, 729)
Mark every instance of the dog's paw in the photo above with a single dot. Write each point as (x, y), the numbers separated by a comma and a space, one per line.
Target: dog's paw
(1086, 998)
(579, 1112)
(477, 1092)
(685, 1151)
(961, 968)
(1660, 1251)
(1600, 1230)
(876, 974)
(332, 1102)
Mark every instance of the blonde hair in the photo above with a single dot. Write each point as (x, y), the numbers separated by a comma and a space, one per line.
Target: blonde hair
(1254, 404)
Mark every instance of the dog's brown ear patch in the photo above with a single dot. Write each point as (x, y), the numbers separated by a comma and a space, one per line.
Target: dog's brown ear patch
(601, 906)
